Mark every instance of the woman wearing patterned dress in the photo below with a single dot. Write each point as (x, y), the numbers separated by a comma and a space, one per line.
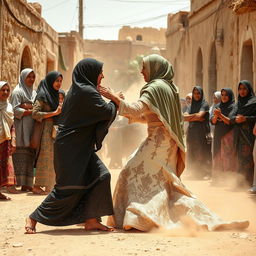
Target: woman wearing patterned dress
(149, 192)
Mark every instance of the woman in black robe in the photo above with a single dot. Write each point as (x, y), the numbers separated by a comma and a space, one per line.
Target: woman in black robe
(244, 117)
(82, 192)
(223, 155)
(198, 145)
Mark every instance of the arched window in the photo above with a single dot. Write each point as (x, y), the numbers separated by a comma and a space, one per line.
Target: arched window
(49, 65)
(139, 37)
(26, 59)
(212, 72)
(247, 62)
(199, 68)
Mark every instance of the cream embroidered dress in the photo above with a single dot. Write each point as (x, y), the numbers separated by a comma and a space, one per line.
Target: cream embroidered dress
(149, 192)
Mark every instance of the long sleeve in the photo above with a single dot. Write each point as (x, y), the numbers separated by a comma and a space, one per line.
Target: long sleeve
(16, 101)
(251, 119)
(37, 112)
(133, 111)
(233, 114)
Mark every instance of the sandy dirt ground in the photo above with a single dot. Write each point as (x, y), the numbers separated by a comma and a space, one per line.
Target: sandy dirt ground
(73, 240)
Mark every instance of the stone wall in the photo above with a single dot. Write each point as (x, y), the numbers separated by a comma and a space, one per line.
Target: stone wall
(117, 56)
(72, 50)
(215, 48)
(196, 5)
(26, 41)
(146, 34)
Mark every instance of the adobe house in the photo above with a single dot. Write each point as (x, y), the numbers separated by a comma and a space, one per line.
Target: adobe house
(26, 40)
(213, 45)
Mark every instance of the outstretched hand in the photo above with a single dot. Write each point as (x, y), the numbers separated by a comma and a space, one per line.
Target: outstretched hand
(110, 94)
(120, 95)
(106, 92)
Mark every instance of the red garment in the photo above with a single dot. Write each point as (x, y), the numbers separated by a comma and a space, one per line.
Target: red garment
(7, 176)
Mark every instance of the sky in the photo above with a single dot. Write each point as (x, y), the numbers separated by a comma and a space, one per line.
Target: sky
(103, 18)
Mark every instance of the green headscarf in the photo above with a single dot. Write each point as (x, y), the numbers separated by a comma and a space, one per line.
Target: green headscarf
(161, 95)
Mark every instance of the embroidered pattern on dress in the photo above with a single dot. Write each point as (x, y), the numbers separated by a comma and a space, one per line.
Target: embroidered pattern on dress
(158, 138)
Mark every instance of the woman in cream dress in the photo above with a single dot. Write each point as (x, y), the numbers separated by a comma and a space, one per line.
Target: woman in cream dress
(149, 192)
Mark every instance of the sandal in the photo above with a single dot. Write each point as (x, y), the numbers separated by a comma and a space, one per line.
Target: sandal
(12, 190)
(4, 197)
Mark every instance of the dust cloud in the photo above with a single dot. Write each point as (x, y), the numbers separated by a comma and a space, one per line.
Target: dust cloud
(123, 138)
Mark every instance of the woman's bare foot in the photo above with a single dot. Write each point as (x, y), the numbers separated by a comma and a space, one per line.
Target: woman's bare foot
(38, 191)
(4, 197)
(93, 224)
(30, 226)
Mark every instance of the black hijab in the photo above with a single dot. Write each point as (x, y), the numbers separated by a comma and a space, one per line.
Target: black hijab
(246, 106)
(46, 92)
(228, 106)
(196, 105)
(202, 128)
(86, 73)
(84, 107)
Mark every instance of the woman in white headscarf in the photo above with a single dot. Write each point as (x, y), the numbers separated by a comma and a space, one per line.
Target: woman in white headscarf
(7, 140)
(22, 99)
(216, 98)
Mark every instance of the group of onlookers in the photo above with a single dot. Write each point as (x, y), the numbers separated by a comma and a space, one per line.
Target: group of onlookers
(27, 130)
(220, 139)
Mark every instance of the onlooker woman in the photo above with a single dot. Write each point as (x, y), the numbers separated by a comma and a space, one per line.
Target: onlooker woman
(62, 95)
(7, 140)
(253, 188)
(46, 110)
(22, 99)
(149, 193)
(189, 99)
(188, 104)
(224, 154)
(198, 140)
(216, 98)
(244, 116)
